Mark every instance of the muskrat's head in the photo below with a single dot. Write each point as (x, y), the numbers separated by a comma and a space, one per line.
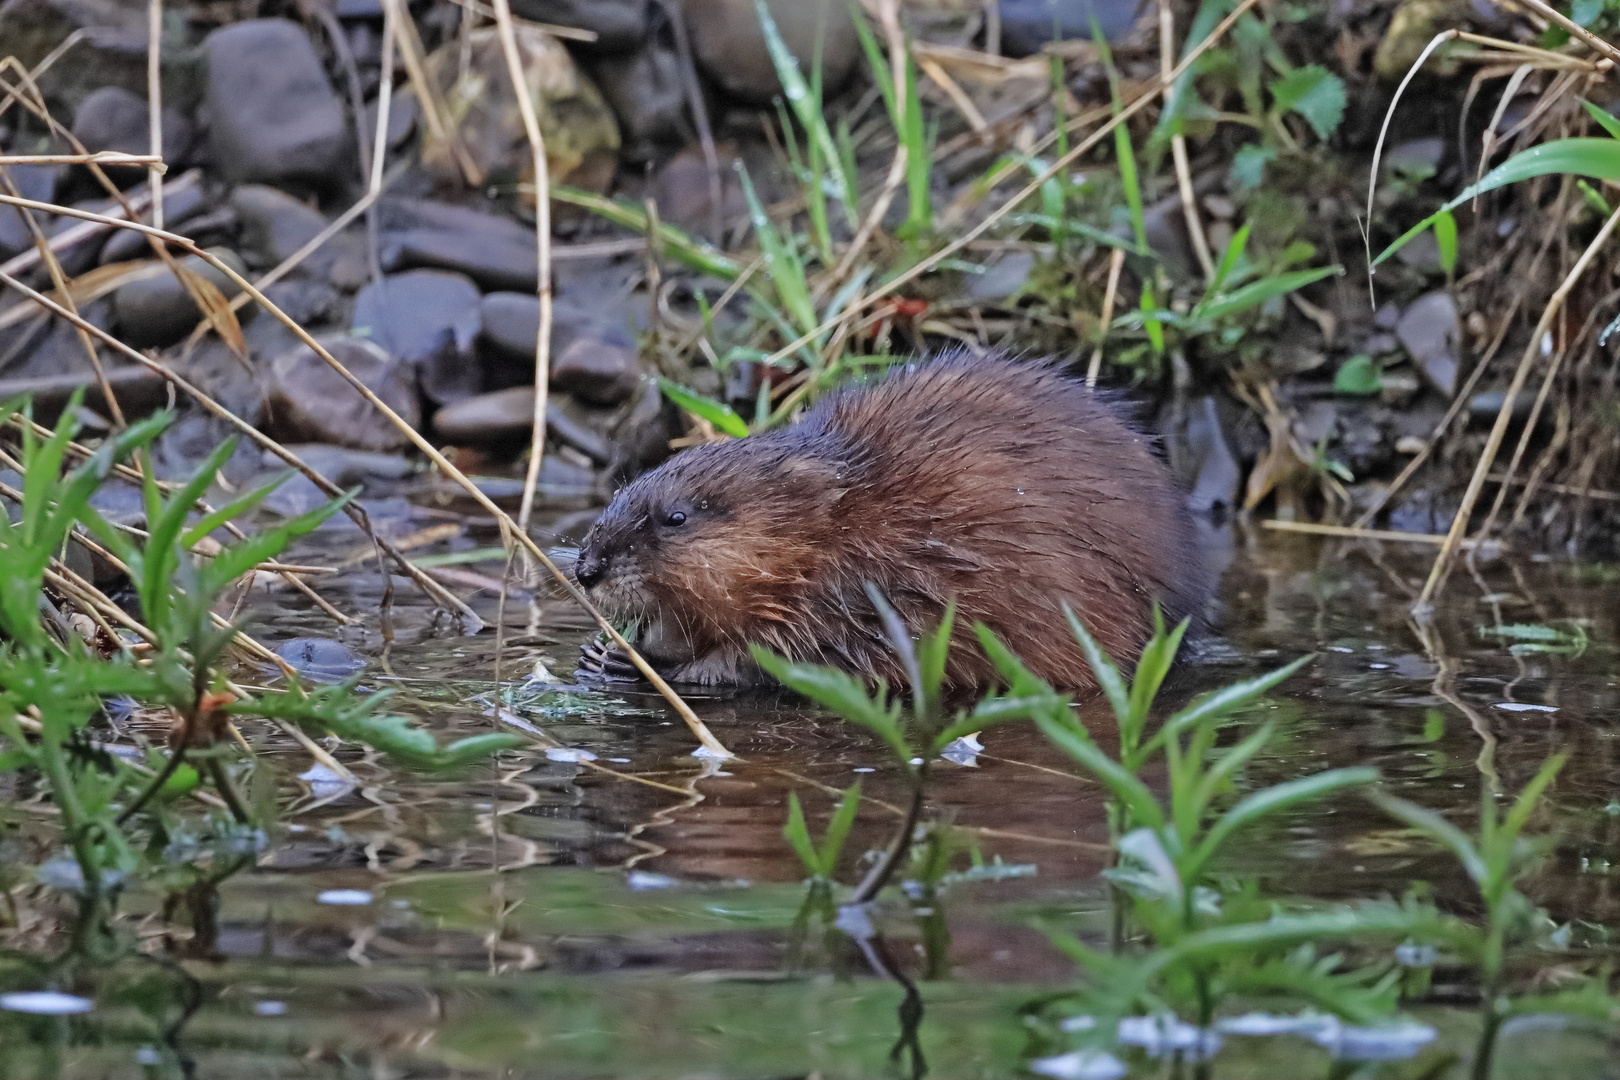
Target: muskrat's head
(713, 540)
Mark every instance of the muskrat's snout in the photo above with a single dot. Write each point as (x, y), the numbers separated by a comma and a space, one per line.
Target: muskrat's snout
(591, 567)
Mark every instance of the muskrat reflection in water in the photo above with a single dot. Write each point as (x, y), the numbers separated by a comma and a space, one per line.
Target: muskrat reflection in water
(1005, 485)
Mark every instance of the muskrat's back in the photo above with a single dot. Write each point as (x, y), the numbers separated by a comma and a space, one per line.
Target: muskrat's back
(1006, 486)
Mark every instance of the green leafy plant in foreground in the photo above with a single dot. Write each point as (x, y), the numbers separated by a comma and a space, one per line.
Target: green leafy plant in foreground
(1497, 859)
(119, 819)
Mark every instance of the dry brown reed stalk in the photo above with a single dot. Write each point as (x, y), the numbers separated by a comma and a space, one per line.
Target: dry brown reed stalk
(139, 202)
(923, 266)
(710, 745)
(153, 162)
(1178, 149)
(154, 106)
(443, 141)
(1554, 15)
(542, 234)
(1354, 533)
(438, 592)
(1504, 416)
(1116, 263)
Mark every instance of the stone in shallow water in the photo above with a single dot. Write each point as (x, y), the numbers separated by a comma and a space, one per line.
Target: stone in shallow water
(320, 659)
(426, 319)
(274, 117)
(597, 370)
(310, 402)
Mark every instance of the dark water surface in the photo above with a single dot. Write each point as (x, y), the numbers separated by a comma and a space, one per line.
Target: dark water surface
(545, 918)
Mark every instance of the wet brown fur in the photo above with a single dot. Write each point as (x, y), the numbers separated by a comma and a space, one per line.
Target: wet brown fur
(1003, 484)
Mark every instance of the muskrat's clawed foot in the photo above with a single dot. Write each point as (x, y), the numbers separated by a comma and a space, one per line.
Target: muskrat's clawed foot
(599, 661)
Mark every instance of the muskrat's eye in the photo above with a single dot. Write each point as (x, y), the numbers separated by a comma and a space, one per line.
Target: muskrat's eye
(676, 519)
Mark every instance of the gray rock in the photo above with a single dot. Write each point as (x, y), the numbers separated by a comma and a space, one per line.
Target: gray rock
(306, 302)
(620, 25)
(1420, 157)
(1026, 25)
(506, 417)
(426, 319)
(499, 417)
(1487, 403)
(494, 251)
(645, 90)
(274, 225)
(37, 182)
(113, 118)
(403, 115)
(597, 370)
(274, 117)
(310, 402)
(1387, 316)
(155, 311)
(1428, 330)
(346, 467)
(320, 659)
(1002, 278)
(730, 45)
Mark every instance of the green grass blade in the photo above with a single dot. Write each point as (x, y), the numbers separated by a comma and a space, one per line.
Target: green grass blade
(722, 416)
(1103, 667)
(806, 105)
(1073, 740)
(1273, 800)
(843, 819)
(1224, 700)
(1258, 292)
(797, 832)
(1595, 159)
(672, 241)
(1438, 828)
(781, 259)
(1605, 119)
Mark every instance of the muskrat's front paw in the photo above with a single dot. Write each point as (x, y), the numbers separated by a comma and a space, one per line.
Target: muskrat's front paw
(597, 661)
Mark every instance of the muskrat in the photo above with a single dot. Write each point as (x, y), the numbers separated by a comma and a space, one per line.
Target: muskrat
(1005, 485)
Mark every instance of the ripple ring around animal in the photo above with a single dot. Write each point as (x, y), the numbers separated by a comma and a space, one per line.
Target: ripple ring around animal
(1005, 485)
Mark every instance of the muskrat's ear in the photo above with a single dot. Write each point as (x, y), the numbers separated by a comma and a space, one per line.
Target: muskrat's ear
(808, 468)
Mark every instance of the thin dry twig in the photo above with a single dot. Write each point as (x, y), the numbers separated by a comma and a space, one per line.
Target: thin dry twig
(1178, 149)
(1116, 263)
(542, 235)
(154, 106)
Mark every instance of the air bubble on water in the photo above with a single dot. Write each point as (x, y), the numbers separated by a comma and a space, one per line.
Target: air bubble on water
(45, 1003)
(1080, 1065)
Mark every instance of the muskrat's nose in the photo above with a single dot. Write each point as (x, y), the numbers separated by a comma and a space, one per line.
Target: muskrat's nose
(590, 568)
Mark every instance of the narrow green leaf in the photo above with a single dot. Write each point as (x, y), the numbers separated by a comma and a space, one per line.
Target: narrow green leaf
(1359, 375)
(1224, 700)
(1258, 292)
(1605, 119)
(1438, 828)
(1595, 159)
(1109, 680)
(1272, 800)
(1445, 238)
(1073, 740)
(675, 243)
(722, 416)
(797, 832)
(843, 819)
(1230, 258)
